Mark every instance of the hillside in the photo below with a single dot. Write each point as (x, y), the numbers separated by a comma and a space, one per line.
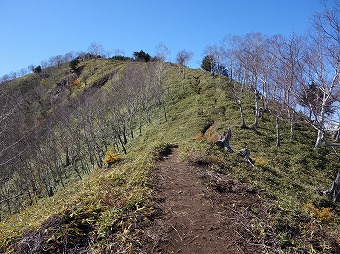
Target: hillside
(87, 146)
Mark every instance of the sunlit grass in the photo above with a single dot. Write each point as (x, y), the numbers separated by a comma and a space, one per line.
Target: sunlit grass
(287, 178)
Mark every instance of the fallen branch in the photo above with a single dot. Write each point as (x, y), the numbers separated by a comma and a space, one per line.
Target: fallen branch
(177, 233)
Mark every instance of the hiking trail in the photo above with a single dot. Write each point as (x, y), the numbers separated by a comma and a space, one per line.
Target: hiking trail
(195, 218)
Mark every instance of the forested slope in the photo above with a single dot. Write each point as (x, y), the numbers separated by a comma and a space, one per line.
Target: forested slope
(78, 152)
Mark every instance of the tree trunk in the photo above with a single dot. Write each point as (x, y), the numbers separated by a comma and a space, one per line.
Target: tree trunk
(242, 114)
(131, 126)
(30, 197)
(336, 136)
(334, 192)
(264, 98)
(291, 120)
(164, 113)
(224, 141)
(89, 151)
(124, 135)
(140, 122)
(183, 77)
(319, 139)
(278, 138)
(121, 143)
(291, 131)
(321, 121)
(75, 168)
(67, 157)
(245, 152)
(257, 110)
(148, 116)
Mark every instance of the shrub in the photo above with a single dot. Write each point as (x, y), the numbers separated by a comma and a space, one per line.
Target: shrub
(200, 137)
(75, 84)
(74, 64)
(209, 134)
(37, 69)
(323, 215)
(121, 58)
(111, 156)
(261, 162)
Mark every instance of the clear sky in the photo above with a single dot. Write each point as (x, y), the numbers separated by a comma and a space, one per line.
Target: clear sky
(34, 30)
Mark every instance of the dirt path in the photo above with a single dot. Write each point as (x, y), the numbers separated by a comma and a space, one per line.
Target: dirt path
(196, 219)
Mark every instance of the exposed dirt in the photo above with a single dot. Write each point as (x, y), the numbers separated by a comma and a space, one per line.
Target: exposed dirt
(195, 218)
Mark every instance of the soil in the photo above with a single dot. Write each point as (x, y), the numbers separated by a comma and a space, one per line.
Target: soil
(196, 218)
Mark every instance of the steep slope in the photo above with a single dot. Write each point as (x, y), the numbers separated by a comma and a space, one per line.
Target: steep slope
(109, 208)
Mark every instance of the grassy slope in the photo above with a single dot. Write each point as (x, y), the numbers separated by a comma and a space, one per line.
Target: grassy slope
(105, 207)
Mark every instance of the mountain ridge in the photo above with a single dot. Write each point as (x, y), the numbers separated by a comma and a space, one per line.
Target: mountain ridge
(142, 109)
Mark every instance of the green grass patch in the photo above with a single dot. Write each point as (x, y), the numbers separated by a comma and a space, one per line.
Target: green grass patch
(105, 206)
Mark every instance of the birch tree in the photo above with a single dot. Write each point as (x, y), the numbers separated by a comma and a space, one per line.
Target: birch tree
(323, 63)
(183, 58)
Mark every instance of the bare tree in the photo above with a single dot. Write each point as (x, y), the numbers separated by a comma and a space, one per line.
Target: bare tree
(183, 57)
(162, 52)
(158, 71)
(289, 73)
(96, 49)
(250, 52)
(323, 61)
(232, 52)
(239, 103)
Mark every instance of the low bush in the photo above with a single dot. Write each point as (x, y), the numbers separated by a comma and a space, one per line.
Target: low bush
(111, 157)
(323, 215)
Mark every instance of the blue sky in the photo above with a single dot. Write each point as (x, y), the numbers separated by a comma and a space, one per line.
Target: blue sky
(34, 30)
